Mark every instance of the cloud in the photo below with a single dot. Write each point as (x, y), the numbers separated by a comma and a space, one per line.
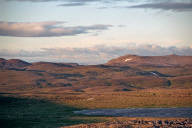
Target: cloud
(68, 3)
(72, 4)
(92, 55)
(174, 6)
(45, 29)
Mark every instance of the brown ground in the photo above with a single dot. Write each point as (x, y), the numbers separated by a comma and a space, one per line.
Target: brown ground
(103, 98)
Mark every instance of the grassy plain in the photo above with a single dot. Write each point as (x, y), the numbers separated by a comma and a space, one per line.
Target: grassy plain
(53, 107)
(101, 98)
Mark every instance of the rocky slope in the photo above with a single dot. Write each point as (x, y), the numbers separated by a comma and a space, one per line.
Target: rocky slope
(140, 123)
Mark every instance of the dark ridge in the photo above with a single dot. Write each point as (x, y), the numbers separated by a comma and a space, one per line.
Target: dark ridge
(57, 64)
(17, 69)
(12, 64)
(64, 75)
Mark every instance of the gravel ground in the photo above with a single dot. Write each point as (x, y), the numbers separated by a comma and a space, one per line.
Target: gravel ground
(166, 123)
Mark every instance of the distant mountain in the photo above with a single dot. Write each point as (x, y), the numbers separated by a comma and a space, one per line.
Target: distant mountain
(2, 62)
(12, 63)
(17, 63)
(134, 60)
(50, 65)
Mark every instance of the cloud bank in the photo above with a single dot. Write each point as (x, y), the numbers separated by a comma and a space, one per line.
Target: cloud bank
(92, 55)
(174, 6)
(45, 29)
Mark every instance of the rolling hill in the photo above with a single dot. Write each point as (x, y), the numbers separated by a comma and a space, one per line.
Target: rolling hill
(125, 73)
(161, 61)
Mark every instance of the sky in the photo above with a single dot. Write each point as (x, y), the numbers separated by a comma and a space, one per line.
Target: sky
(93, 31)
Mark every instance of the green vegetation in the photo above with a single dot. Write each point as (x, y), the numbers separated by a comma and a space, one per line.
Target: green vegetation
(32, 113)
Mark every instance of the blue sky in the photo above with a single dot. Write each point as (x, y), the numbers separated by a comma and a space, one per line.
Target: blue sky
(93, 31)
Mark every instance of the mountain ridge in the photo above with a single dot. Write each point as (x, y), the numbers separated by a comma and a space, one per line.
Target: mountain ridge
(128, 72)
(135, 60)
(126, 60)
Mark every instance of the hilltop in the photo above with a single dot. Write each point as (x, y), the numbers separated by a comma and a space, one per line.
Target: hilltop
(162, 61)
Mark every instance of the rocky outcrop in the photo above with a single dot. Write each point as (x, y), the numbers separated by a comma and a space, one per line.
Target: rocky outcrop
(164, 123)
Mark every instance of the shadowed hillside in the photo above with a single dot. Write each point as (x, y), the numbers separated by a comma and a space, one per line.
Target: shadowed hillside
(18, 112)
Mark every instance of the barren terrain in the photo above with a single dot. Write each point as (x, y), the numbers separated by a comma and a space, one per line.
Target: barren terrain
(126, 82)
